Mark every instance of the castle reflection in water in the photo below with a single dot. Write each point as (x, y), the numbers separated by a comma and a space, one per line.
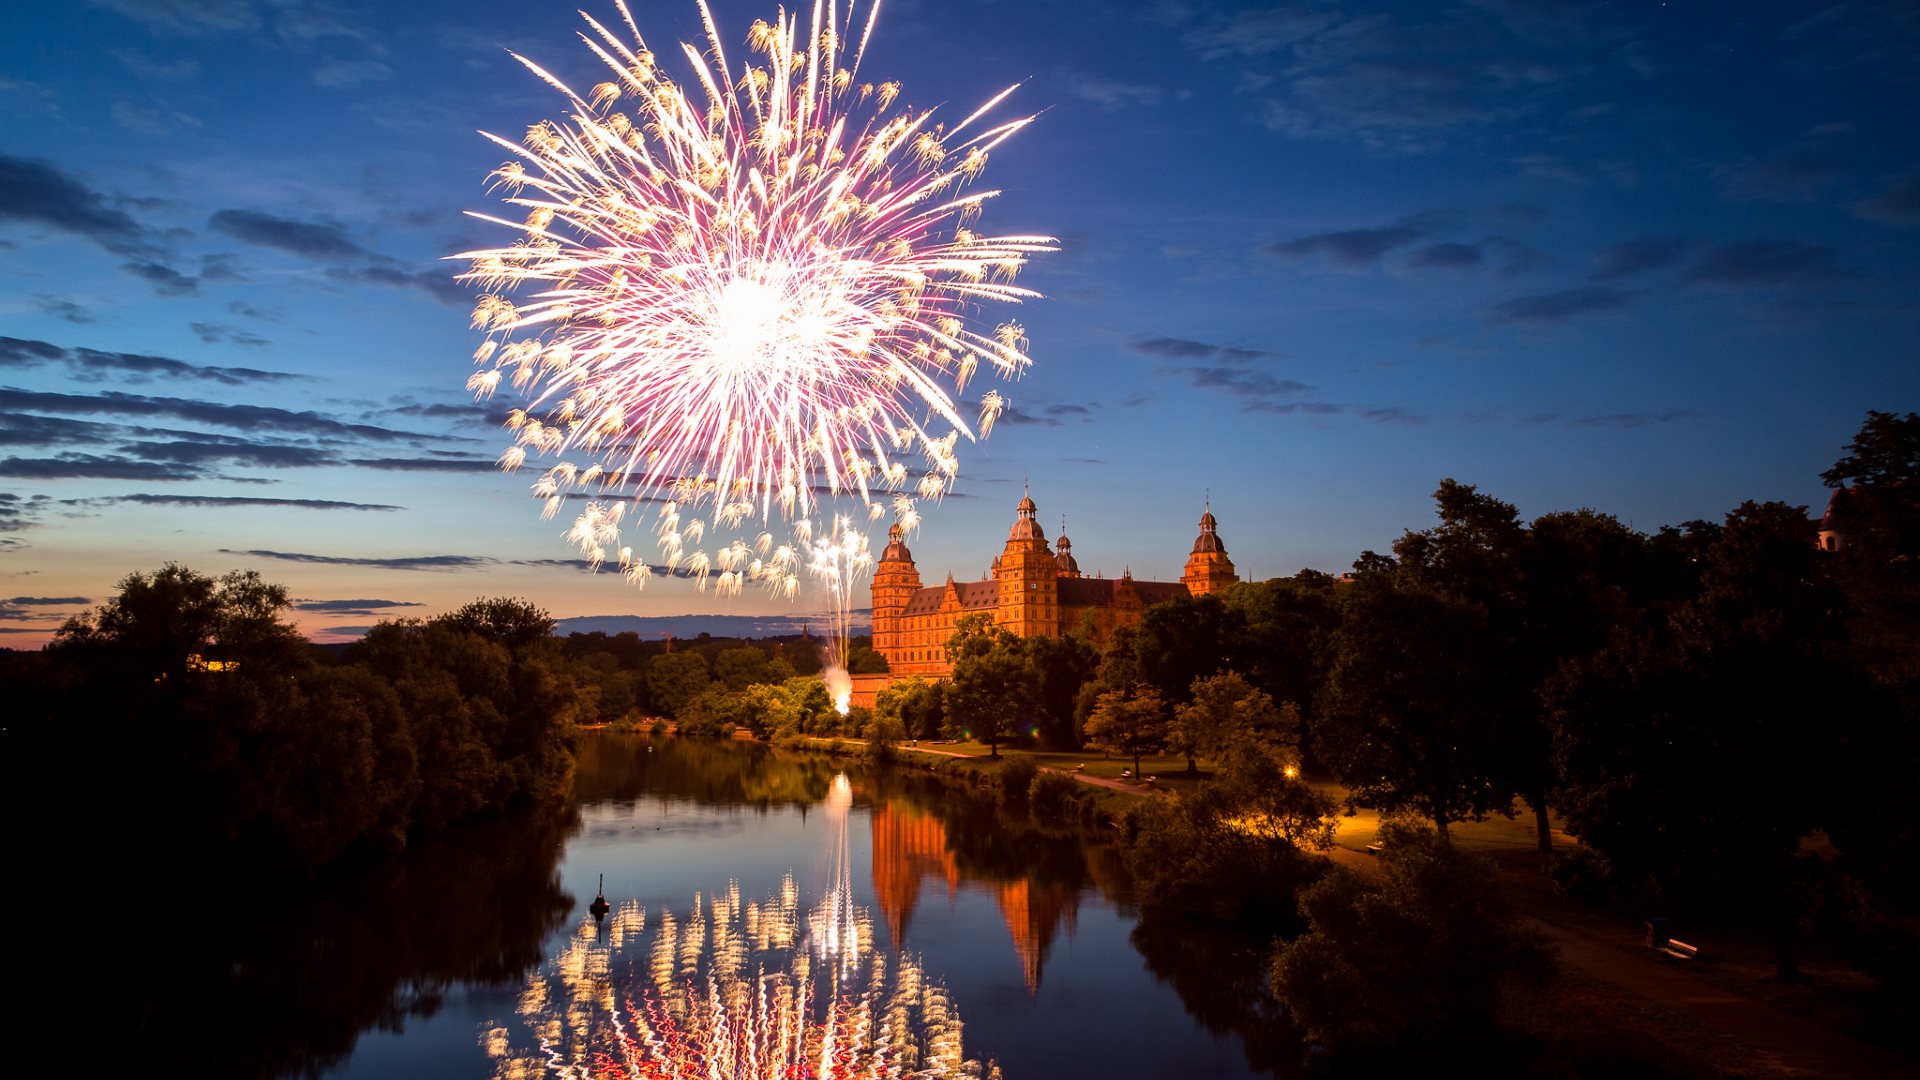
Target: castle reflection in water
(910, 847)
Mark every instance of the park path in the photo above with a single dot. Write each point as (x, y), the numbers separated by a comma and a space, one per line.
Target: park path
(1096, 781)
(1740, 1034)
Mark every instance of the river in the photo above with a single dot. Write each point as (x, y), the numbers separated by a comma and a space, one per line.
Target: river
(766, 908)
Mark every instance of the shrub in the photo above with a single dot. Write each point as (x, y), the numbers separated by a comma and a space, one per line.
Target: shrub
(1056, 794)
(1583, 875)
(1413, 962)
(1015, 775)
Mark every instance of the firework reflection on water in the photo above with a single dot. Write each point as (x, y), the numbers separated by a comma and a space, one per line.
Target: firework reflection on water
(733, 989)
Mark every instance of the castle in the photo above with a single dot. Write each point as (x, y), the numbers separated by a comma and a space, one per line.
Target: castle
(1034, 589)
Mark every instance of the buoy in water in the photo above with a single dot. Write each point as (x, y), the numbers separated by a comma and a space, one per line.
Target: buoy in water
(600, 907)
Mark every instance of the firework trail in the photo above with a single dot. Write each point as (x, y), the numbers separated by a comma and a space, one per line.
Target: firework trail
(840, 561)
(735, 990)
(753, 296)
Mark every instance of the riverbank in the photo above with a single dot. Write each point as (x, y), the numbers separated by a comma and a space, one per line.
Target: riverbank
(1721, 1014)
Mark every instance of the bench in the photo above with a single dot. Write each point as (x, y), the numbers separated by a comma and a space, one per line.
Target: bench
(1680, 950)
(1373, 849)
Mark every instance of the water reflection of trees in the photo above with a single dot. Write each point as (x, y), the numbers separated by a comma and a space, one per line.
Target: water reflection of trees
(1220, 974)
(713, 772)
(241, 984)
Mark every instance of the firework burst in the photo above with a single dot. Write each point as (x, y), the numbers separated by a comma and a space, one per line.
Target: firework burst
(755, 295)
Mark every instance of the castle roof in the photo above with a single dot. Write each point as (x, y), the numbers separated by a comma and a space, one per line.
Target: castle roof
(1026, 526)
(1063, 560)
(1208, 540)
(974, 596)
(896, 547)
(1101, 592)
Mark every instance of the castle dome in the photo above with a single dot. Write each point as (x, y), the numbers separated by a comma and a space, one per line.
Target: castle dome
(1026, 526)
(1209, 539)
(1063, 561)
(896, 546)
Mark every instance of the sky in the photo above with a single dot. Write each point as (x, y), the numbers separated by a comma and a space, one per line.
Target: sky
(1649, 258)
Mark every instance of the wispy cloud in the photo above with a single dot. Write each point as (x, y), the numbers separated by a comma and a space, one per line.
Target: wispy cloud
(1766, 263)
(91, 365)
(1554, 308)
(1638, 256)
(225, 502)
(439, 563)
(1360, 248)
(1173, 348)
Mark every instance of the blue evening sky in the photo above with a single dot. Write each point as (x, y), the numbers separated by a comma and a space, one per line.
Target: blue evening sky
(1649, 258)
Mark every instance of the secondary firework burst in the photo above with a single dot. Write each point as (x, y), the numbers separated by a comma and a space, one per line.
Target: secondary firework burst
(748, 297)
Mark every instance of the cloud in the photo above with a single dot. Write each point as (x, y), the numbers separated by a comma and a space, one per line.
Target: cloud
(62, 308)
(220, 501)
(215, 334)
(94, 364)
(166, 71)
(1255, 33)
(165, 279)
(1260, 392)
(46, 601)
(452, 465)
(148, 120)
(1552, 309)
(1898, 205)
(312, 239)
(1361, 248)
(1392, 414)
(440, 563)
(35, 191)
(1014, 417)
(186, 16)
(1638, 256)
(387, 273)
(249, 418)
(1634, 419)
(1766, 263)
(1791, 176)
(19, 512)
(1447, 257)
(366, 608)
(94, 467)
(1172, 348)
(333, 73)
(1111, 94)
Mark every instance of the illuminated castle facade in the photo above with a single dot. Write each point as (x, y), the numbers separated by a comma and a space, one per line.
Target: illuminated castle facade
(1033, 589)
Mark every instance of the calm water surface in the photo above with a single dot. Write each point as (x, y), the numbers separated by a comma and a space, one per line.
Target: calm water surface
(729, 864)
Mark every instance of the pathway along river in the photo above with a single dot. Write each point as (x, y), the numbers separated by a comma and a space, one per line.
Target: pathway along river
(766, 908)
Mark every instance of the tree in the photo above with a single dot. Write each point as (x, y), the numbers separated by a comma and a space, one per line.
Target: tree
(991, 690)
(740, 667)
(1406, 725)
(512, 622)
(1225, 713)
(915, 703)
(1061, 666)
(1685, 746)
(1412, 961)
(1287, 633)
(1184, 639)
(1876, 510)
(1131, 722)
(675, 679)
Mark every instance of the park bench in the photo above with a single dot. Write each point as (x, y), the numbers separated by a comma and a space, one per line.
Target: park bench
(1681, 950)
(1657, 938)
(1373, 849)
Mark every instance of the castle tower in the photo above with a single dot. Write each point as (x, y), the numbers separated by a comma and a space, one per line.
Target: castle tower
(1063, 562)
(1208, 568)
(895, 580)
(1029, 581)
